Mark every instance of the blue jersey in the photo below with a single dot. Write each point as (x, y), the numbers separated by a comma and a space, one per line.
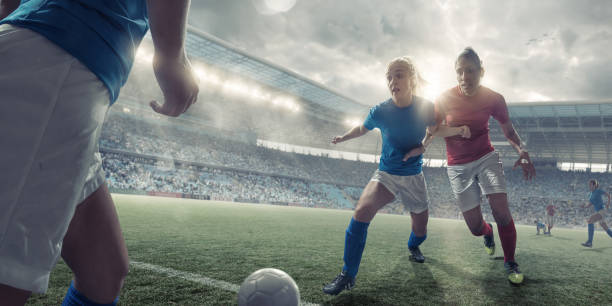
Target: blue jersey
(402, 129)
(103, 35)
(595, 197)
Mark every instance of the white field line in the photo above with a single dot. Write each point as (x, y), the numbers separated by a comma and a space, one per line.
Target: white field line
(196, 278)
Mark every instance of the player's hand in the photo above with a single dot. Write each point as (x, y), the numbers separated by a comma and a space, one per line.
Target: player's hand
(525, 163)
(178, 84)
(464, 131)
(337, 139)
(414, 152)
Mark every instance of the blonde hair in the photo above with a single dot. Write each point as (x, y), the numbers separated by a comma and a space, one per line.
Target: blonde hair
(413, 73)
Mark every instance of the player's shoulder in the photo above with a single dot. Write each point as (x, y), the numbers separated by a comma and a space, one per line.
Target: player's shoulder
(381, 107)
(492, 94)
(447, 95)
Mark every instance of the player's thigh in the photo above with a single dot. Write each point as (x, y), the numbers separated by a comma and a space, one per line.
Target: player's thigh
(94, 244)
(375, 195)
(594, 218)
(13, 296)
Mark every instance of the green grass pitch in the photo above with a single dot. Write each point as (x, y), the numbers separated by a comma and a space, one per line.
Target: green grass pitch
(228, 241)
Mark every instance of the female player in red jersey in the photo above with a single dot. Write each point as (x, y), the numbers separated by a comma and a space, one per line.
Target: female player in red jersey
(474, 166)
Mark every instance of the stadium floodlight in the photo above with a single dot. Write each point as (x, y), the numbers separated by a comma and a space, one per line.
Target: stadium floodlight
(126, 110)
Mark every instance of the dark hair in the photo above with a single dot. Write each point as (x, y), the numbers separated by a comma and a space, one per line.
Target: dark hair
(469, 54)
(594, 182)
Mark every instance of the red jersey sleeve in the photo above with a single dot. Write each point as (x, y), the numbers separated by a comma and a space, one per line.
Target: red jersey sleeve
(500, 110)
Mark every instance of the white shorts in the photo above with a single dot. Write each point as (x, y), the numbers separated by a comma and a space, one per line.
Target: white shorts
(411, 190)
(51, 113)
(550, 220)
(468, 180)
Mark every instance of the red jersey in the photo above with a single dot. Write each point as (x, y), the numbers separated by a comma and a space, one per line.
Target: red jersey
(550, 209)
(457, 110)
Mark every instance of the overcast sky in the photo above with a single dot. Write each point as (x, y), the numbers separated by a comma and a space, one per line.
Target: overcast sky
(532, 50)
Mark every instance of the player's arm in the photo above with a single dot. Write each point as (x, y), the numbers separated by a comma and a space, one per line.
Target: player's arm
(355, 132)
(444, 130)
(515, 141)
(7, 7)
(437, 130)
(167, 20)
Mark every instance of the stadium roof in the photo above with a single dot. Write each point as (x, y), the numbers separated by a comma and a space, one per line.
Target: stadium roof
(221, 54)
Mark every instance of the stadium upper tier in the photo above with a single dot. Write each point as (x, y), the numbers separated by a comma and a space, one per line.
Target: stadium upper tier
(220, 54)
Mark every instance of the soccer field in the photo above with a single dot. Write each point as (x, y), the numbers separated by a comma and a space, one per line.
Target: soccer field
(192, 252)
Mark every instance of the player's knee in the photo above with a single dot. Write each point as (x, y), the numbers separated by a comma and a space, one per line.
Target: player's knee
(364, 213)
(476, 230)
(420, 232)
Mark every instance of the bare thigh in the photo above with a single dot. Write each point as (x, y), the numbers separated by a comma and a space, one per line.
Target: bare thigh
(94, 248)
(375, 195)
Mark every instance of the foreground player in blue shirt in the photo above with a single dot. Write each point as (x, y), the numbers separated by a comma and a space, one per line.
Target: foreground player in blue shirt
(402, 121)
(595, 199)
(62, 64)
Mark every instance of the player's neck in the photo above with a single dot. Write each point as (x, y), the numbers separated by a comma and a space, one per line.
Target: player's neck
(403, 102)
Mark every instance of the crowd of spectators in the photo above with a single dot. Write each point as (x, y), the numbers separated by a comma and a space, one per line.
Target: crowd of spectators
(152, 155)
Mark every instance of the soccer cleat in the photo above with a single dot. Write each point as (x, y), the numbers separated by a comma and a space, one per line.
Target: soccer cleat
(341, 282)
(515, 276)
(587, 244)
(416, 255)
(489, 243)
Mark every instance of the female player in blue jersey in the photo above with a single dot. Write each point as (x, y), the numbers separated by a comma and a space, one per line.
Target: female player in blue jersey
(595, 199)
(402, 120)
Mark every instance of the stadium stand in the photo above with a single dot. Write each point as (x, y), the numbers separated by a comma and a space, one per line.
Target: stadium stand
(144, 155)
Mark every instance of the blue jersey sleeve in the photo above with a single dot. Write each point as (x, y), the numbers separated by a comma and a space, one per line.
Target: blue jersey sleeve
(370, 122)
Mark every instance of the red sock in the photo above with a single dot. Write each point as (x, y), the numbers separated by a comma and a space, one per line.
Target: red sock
(507, 235)
(486, 229)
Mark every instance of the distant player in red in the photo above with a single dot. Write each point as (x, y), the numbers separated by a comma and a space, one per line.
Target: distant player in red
(550, 217)
(474, 167)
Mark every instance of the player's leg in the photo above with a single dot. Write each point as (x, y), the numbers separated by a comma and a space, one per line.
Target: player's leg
(375, 195)
(414, 197)
(95, 250)
(550, 222)
(591, 229)
(13, 296)
(418, 235)
(464, 183)
(507, 235)
(605, 227)
(505, 224)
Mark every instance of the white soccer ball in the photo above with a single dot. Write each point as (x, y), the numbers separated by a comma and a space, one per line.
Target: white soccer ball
(268, 287)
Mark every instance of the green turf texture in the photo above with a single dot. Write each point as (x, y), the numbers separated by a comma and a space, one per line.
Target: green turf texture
(228, 241)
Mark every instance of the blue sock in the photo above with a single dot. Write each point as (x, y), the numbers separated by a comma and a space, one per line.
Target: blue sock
(609, 231)
(75, 298)
(354, 243)
(591, 232)
(415, 241)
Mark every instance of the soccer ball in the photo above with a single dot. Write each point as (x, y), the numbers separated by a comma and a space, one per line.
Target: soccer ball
(268, 287)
